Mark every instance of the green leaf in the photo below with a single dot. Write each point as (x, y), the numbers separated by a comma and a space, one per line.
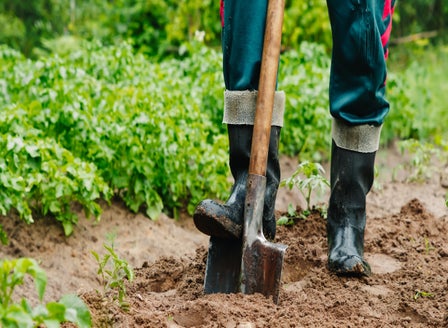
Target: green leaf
(30, 266)
(39, 311)
(32, 150)
(17, 317)
(95, 255)
(291, 210)
(52, 323)
(3, 236)
(56, 311)
(283, 220)
(154, 211)
(68, 227)
(76, 311)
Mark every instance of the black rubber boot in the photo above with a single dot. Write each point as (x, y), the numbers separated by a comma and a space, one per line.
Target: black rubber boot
(351, 179)
(226, 220)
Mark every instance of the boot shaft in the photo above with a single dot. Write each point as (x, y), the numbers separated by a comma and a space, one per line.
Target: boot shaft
(240, 144)
(351, 178)
(352, 175)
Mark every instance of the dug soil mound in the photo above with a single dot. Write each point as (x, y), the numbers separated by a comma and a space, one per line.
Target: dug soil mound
(408, 252)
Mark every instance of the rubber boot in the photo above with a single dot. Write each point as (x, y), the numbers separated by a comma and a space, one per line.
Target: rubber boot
(352, 175)
(226, 220)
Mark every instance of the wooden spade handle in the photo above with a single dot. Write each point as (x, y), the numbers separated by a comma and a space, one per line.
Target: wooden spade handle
(266, 88)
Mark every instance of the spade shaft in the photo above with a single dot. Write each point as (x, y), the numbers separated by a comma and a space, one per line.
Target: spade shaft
(262, 261)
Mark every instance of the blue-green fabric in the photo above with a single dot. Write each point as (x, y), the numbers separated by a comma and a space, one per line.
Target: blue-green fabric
(358, 66)
(242, 43)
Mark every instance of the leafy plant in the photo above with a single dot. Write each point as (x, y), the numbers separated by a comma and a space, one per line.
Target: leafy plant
(422, 154)
(75, 128)
(37, 172)
(80, 125)
(307, 178)
(70, 308)
(113, 270)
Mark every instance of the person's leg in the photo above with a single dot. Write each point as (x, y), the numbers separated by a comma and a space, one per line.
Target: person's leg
(242, 44)
(360, 30)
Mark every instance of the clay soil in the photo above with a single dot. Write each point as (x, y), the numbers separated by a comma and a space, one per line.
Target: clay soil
(406, 243)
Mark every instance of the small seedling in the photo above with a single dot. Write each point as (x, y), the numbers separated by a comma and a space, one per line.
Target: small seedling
(290, 217)
(70, 308)
(419, 294)
(307, 178)
(376, 183)
(112, 270)
(428, 246)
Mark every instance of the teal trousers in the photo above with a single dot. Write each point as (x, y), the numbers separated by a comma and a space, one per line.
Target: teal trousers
(360, 30)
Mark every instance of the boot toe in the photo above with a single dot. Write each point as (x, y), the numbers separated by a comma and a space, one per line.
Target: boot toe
(215, 219)
(349, 265)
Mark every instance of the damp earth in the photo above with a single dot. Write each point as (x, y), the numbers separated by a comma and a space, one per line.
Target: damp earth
(406, 244)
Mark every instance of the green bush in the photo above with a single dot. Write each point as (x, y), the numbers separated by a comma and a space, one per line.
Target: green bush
(154, 27)
(161, 27)
(76, 127)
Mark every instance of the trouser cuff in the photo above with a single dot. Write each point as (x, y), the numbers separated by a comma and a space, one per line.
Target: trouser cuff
(240, 106)
(360, 138)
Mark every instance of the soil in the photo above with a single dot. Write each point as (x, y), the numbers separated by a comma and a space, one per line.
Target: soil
(406, 244)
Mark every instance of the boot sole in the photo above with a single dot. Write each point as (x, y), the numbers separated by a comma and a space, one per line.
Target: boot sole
(358, 270)
(216, 226)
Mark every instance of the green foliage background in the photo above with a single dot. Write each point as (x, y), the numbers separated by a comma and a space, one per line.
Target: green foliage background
(160, 27)
(120, 98)
(103, 120)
